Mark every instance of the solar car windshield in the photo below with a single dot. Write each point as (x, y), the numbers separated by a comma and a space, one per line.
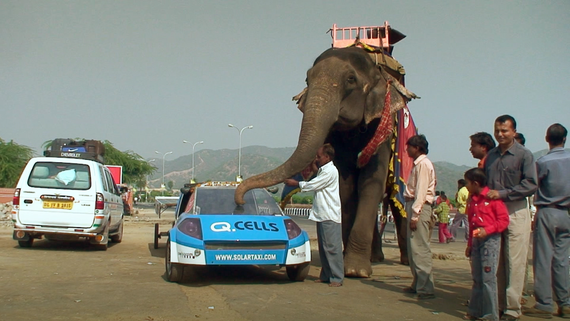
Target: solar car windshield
(220, 200)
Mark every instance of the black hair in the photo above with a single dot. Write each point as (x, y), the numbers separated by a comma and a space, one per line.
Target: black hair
(476, 175)
(504, 118)
(419, 141)
(556, 134)
(461, 182)
(520, 138)
(484, 139)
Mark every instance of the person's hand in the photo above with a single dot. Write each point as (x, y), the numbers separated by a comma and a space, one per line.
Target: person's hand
(493, 194)
(413, 225)
(468, 251)
(314, 166)
(480, 233)
(291, 182)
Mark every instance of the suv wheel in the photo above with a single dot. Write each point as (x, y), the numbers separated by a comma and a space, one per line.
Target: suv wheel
(174, 272)
(117, 238)
(103, 246)
(27, 243)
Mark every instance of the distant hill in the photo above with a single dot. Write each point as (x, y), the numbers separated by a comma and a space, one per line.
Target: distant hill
(447, 176)
(222, 165)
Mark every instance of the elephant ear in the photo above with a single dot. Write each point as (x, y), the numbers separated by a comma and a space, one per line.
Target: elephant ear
(300, 99)
(399, 96)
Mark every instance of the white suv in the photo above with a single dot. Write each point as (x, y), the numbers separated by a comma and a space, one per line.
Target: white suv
(65, 198)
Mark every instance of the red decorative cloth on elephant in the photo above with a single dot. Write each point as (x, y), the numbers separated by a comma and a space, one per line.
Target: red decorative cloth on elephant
(383, 130)
(401, 164)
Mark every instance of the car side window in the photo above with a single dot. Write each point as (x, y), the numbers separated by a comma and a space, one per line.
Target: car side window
(104, 179)
(109, 180)
(112, 185)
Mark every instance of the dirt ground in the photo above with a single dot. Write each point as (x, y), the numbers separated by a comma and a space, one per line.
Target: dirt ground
(71, 281)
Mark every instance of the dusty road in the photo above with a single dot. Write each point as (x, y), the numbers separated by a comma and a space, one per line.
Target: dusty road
(70, 281)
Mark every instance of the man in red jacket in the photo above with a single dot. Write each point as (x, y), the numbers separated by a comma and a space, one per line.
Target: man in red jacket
(487, 219)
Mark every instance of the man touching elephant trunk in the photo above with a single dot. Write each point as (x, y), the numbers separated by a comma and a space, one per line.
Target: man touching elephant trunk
(326, 212)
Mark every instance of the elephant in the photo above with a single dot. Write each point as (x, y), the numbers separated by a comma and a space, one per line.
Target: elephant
(349, 98)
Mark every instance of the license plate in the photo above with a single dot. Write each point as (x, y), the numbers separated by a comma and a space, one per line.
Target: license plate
(58, 205)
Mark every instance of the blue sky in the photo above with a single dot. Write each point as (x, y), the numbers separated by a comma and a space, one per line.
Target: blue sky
(147, 75)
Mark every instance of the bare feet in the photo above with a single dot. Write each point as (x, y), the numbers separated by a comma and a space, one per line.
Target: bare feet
(335, 284)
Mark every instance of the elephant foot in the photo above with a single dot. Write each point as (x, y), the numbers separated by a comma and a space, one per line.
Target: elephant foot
(377, 256)
(357, 266)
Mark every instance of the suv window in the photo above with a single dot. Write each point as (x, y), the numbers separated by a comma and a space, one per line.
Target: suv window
(60, 175)
(110, 182)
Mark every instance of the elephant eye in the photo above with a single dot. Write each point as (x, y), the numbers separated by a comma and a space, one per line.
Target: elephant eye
(351, 79)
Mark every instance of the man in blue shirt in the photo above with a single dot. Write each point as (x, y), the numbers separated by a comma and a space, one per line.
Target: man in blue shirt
(552, 228)
(327, 213)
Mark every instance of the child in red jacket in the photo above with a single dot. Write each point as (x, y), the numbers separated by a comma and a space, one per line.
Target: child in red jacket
(487, 219)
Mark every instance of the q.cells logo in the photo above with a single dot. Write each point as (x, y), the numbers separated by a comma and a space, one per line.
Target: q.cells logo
(244, 225)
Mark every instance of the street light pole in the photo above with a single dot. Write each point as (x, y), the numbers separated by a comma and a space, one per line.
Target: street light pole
(163, 159)
(193, 168)
(239, 178)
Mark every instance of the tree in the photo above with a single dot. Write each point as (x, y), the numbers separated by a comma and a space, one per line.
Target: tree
(135, 168)
(13, 159)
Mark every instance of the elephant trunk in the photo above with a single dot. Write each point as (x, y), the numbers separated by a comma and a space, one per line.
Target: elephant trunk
(320, 113)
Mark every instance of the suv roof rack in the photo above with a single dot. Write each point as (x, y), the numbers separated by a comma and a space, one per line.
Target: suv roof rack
(83, 149)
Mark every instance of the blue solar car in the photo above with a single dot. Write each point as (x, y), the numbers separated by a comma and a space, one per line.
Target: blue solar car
(211, 230)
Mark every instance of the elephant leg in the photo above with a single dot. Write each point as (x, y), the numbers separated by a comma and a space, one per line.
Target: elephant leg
(370, 186)
(349, 203)
(377, 252)
(401, 232)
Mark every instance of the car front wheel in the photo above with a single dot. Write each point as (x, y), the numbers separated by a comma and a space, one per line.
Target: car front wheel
(298, 272)
(174, 271)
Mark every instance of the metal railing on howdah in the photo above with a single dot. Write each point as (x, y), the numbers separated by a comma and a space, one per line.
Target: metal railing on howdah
(297, 211)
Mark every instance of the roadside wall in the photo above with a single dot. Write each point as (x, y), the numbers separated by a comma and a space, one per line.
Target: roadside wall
(6, 195)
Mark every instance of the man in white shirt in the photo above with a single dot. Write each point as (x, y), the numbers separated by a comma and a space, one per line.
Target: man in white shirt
(326, 212)
(419, 195)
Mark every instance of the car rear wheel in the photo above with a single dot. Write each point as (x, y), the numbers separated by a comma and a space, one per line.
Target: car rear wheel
(298, 272)
(174, 272)
(103, 246)
(27, 243)
(117, 238)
